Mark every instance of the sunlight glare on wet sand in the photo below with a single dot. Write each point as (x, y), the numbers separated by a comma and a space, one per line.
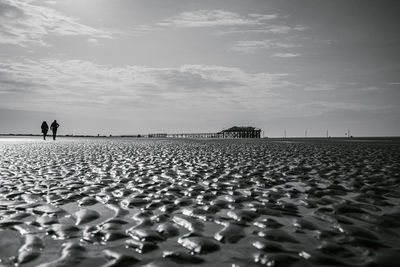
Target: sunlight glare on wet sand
(17, 139)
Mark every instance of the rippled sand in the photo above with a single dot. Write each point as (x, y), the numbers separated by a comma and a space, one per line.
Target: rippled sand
(123, 202)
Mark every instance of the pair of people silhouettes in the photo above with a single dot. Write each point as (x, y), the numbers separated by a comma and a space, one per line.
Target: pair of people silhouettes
(45, 128)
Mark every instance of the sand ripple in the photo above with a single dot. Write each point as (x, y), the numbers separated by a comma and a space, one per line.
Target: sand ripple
(132, 202)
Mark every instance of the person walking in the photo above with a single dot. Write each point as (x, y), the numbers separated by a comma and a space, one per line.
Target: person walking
(54, 126)
(45, 129)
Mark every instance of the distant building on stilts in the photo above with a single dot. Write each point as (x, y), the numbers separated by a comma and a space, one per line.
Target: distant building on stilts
(240, 132)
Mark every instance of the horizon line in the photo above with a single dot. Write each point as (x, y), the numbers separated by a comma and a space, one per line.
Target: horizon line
(147, 136)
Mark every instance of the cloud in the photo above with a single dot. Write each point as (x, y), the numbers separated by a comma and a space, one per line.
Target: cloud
(51, 2)
(324, 106)
(265, 28)
(369, 89)
(320, 87)
(93, 42)
(25, 23)
(212, 18)
(226, 22)
(253, 46)
(82, 84)
(286, 55)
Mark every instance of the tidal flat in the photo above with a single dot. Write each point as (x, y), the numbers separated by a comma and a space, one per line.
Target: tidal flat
(187, 202)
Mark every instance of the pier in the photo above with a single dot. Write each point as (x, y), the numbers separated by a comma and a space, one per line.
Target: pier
(195, 135)
(233, 132)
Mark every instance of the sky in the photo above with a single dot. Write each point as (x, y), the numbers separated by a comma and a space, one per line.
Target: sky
(188, 66)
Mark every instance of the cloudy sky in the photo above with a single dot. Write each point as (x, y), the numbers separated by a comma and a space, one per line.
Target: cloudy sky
(140, 66)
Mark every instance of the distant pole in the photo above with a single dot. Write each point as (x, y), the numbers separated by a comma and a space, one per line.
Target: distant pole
(348, 133)
(305, 134)
(327, 133)
(284, 133)
(263, 134)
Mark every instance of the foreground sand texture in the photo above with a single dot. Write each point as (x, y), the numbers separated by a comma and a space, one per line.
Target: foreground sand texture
(132, 202)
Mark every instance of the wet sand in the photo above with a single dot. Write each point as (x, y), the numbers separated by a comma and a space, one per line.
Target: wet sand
(144, 202)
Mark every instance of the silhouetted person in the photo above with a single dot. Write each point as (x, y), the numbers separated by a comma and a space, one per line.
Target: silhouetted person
(54, 126)
(45, 129)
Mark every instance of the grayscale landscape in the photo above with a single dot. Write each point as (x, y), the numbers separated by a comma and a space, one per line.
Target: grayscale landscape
(202, 133)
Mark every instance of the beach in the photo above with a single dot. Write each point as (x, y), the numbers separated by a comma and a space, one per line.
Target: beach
(199, 202)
